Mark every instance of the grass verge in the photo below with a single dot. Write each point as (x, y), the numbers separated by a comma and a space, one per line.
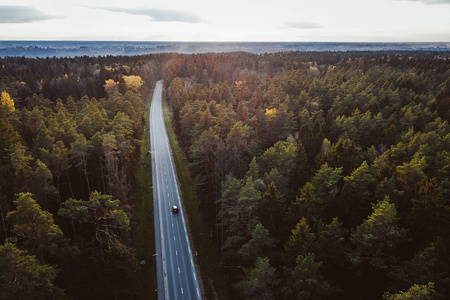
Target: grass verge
(212, 275)
(145, 231)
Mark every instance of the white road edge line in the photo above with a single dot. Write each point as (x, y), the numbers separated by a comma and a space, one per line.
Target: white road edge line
(164, 263)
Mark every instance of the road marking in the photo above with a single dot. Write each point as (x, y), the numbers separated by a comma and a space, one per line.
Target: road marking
(172, 225)
(198, 293)
(192, 262)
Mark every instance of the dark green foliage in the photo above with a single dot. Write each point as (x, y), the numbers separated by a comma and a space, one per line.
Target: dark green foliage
(424, 267)
(34, 229)
(23, 277)
(356, 195)
(300, 242)
(305, 281)
(377, 238)
(260, 243)
(344, 154)
(259, 282)
(430, 213)
(319, 198)
(330, 245)
(103, 214)
(272, 211)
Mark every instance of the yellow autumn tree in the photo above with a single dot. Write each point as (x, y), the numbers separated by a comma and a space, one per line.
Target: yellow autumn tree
(7, 101)
(133, 82)
(110, 86)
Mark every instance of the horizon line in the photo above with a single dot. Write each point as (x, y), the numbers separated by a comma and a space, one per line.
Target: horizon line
(205, 41)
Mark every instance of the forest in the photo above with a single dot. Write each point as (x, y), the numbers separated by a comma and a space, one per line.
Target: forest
(323, 175)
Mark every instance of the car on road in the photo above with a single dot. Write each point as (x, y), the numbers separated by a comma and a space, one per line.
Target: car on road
(174, 209)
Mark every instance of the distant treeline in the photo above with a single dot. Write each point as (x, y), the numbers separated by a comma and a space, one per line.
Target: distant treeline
(324, 174)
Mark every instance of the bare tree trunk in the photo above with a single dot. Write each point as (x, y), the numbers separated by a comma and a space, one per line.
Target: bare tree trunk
(59, 192)
(86, 175)
(60, 202)
(80, 178)
(3, 220)
(74, 231)
(70, 185)
(103, 177)
(100, 241)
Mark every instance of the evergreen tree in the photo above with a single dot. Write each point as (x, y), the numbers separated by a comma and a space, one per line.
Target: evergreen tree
(34, 230)
(376, 239)
(305, 281)
(22, 277)
(259, 282)
(357, 195)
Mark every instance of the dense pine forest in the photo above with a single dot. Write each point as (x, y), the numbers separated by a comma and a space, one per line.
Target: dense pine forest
(322, 175)
(325, 175)
(70, 143)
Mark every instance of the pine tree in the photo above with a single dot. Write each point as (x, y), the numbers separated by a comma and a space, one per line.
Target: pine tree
(22, 277)
(305, 281)
(377, 238)
(259, 283)
(34, 229)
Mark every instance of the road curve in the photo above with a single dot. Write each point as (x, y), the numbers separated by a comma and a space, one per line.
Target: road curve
(176, 273)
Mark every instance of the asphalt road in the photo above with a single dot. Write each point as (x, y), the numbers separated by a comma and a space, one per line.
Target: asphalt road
(176, 273)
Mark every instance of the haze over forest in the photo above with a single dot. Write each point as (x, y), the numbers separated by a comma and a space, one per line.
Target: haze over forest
(96, 48)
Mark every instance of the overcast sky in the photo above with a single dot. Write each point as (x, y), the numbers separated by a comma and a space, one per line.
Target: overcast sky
(227, 20)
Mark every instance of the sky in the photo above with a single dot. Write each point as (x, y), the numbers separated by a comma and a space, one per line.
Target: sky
(227, 20)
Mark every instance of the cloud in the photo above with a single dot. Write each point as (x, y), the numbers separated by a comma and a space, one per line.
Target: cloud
(429, 2)
(303, 25)
(21, 14)
(158, 15)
